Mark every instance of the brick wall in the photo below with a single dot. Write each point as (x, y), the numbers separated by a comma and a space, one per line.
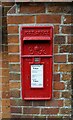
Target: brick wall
(5, 68)
(59, 16)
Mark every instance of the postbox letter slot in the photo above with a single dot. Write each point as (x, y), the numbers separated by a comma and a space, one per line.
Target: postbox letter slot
(36, 38)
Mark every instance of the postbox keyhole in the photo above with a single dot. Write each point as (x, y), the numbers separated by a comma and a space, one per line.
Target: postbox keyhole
(37, 59)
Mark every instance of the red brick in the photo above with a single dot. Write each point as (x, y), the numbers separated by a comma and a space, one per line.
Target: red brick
(15, 67)
(56, 29)
(68, 19)
(5, 102)
(5, 94)
(55, 49)
(6, 109)
(38, 103)
(4, 56)
(5, 72)
(59, 39)
(13, 38)
(6, 115)
(65, 111)
(60, 103)
(15, 93)
(66, 77)
(48, 19)
(32, 8)
(49, 111)
(70, 39)
(55, 67)
(20, 19)
(13, 48)
(55, 103)
(5, 87)
(16, 110)
(5, 64)
(56, 77)
(14, 76)
(59, 8)
(12, 29)
(59, 86)
(66, 29)
(60, 58)
(20, 102)
(65, 68)
(14, 58)
(14, 85)
(56, 94)
(8, 3)
(65, 49)
(70, 58)
(31, 110)
(5, 80)
(66, 94)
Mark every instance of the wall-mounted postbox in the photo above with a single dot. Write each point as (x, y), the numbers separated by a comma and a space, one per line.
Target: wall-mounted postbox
(36, 62)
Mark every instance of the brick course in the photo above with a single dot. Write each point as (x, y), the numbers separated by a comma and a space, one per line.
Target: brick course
(20, 19)
(48, 19)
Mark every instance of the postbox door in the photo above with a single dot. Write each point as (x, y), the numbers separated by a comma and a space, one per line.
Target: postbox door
(40, 86)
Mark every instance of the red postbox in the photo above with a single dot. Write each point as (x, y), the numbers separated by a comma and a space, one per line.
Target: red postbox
(36, 62)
